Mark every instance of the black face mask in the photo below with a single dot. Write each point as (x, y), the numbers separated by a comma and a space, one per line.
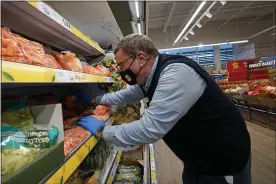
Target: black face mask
(128, 76)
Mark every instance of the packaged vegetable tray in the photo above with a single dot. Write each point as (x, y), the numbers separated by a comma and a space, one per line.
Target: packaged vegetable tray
(73, 137)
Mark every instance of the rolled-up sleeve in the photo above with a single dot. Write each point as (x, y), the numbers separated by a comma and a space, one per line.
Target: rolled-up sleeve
(130, 95)
(178, 89)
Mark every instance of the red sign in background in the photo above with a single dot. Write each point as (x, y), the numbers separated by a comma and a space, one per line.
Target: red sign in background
(238, 71)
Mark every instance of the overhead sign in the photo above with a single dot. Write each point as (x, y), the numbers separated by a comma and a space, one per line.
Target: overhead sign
(261, 65)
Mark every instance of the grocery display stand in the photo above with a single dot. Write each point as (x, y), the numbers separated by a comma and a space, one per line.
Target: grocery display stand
(37, 21)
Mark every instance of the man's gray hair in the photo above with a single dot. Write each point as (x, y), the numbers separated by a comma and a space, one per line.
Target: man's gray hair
(134, 43)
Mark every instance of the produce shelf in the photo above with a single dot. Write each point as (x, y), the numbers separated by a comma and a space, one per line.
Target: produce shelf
(16, 72)
(72, 161)
(39, 21)
(152, 165)
(114, 168)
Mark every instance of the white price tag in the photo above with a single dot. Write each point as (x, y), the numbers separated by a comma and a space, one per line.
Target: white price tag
(107, 79)
(63, 76)
(47, 10)
(78, 77)
(151, 148)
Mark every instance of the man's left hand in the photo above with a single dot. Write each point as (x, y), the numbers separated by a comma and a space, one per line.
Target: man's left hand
(91, 124)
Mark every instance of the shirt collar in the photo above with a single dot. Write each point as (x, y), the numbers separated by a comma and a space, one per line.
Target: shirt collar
(146, 87)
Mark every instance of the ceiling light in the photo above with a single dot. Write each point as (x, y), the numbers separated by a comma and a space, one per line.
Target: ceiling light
(241, 41)
(190, 21)
(199, 25)
(209, 15)
(192, 32)
(186, 38)
(201, 45)
(137, 9)
(139, 28)
(223, 2)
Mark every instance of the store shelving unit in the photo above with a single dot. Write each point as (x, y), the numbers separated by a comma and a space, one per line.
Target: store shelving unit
(37, 20)
(110, 167)
(17, 72)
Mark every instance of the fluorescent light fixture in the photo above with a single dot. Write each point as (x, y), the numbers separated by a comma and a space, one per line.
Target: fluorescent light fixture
(241, 41)
(201, 45)
(139, 28)
(199, 25)
(223, 2)
(209, 15)
(191, 20)
(137, 9)
(186, 38)
(192, 32)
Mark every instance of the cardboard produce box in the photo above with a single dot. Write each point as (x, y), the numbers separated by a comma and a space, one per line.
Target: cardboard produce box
(42, 165)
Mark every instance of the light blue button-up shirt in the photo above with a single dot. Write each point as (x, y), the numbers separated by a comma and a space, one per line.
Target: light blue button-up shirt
(178, 89)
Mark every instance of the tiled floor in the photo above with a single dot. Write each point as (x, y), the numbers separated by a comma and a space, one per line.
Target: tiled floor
(263, 158)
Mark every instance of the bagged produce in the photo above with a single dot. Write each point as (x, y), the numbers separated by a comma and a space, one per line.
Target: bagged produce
(102, 110)
(129, 169)
(10, 50)
(14, 159)
(104, 70)
(37, 136)
(73, 137)
(91, 70)
(69, 61)
(127, 177)
(51, 62)
(69, 123)
(17, 114)
(33, 52)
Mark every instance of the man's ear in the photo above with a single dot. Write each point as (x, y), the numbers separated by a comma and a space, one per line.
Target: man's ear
(142, 58)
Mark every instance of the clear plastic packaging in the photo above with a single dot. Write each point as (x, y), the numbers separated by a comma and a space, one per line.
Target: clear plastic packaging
(51, 62)
(10, 50)
(103, 69)
(91, 70)
(69, 61)
(33, 52)
(73, 137)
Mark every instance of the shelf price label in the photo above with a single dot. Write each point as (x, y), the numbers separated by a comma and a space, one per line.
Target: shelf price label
(69, 76)
(107, 79)
(47, 10)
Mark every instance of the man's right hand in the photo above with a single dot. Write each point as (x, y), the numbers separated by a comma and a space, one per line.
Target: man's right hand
(85, 98)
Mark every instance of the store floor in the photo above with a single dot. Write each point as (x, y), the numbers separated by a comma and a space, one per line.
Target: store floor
(170, 168)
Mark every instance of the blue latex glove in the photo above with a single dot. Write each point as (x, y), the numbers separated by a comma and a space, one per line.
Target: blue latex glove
(82, 97)
(91, 124)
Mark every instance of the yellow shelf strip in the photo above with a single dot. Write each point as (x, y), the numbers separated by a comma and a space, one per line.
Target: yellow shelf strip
(71, 164)
(16, 72)
(152, 165)
(114, 168)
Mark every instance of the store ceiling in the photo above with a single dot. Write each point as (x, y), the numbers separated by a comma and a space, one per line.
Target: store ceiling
(233, 21)
(92, 18)
(184, 10)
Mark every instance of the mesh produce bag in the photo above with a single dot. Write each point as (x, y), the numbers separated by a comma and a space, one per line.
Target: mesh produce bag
(10, 50)
(69, 61)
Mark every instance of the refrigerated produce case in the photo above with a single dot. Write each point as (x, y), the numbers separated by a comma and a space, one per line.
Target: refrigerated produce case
(254, 95)
(26, 78)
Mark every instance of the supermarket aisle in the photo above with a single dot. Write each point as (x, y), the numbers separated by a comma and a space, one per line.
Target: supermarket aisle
(263, 158)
